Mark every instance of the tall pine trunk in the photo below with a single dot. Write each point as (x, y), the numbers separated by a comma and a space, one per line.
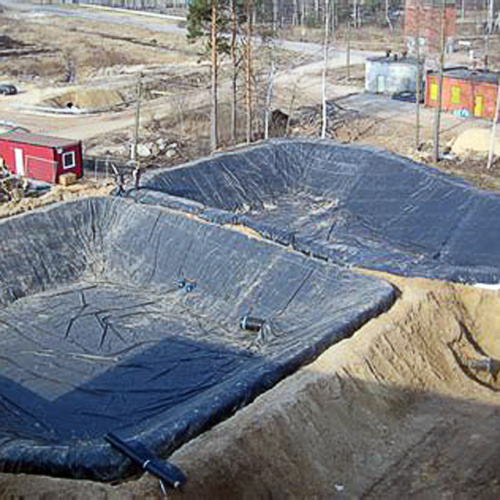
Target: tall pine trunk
(325, 67)
(234, 61)
(214, 141)
(437, 117)
(494, 128)
(248, 71)
(419, 78)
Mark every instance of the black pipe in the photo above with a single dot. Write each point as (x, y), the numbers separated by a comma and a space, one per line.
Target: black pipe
(165, 471)
(252, 324)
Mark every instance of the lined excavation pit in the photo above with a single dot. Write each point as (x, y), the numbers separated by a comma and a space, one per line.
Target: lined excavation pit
(351, 205)
(126, 318)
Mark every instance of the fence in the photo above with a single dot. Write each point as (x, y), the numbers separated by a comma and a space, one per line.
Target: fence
(101, 168)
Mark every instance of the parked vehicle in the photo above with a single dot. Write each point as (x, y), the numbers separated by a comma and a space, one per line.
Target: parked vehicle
(7, 89)
(407, 96)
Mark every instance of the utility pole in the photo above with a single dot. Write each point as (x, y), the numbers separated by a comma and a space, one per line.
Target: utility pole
(214, 140)
(494, 127)
(437, 117)
(325, 67)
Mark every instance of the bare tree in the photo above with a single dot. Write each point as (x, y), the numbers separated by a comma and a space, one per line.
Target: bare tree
(214, 140)
(489, 30)
(348, 50)
(207, 19)
(275, 16)
(248, 70)
(234, 76)
(419, 69)
(387, 17)
(138, 98)
(325, 67)
(494, 127)
(437, 117)
(269, 96)
(290, 108)
(355, 14)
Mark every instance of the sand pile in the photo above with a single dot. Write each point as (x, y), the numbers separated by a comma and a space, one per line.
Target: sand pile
(475, 140)
(395, 411)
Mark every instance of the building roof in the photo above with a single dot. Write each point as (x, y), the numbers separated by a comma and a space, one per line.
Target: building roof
(464, 73)
(37, 139)
(393, 60)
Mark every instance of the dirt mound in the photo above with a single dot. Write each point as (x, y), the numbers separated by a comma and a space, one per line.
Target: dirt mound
(392, 412)
(84, 188)
(476, 140)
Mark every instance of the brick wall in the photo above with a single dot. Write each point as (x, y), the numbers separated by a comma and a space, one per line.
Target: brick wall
(469, 91)
(429, 24)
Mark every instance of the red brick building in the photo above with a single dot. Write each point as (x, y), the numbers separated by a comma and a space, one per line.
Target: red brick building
(40, 157)
(423, 21)
(466, 92)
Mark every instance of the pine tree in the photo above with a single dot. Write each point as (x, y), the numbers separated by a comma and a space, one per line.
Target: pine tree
(209, 19)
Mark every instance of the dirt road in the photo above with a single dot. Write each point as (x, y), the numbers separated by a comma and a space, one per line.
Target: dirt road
(86, 126)
(89, 126)
(163, 24)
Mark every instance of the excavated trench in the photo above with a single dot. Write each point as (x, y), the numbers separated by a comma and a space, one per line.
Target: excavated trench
(101, 97)
(91, 100)
(407, 406)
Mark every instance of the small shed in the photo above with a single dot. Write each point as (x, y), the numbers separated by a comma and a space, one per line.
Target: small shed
(391, 74)
(40, 157)
(466, 92)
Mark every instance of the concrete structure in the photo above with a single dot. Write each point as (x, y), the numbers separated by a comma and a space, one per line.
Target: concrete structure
(40, 157)
(466, 92)
(391, 74)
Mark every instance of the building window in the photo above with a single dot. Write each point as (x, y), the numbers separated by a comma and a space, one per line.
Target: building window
(455, 94)
(69, 160)
(434, 91)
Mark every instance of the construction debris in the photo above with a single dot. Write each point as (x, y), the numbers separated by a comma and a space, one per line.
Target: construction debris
(308, 118)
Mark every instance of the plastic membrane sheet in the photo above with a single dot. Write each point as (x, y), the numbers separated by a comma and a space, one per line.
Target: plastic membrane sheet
(125, 317)
(354, 206)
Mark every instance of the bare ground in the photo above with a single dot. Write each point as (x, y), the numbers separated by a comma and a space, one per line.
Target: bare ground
(84, 188)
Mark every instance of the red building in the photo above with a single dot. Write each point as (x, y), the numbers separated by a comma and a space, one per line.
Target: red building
(423, 19)
(466, 92)
(40, 157)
